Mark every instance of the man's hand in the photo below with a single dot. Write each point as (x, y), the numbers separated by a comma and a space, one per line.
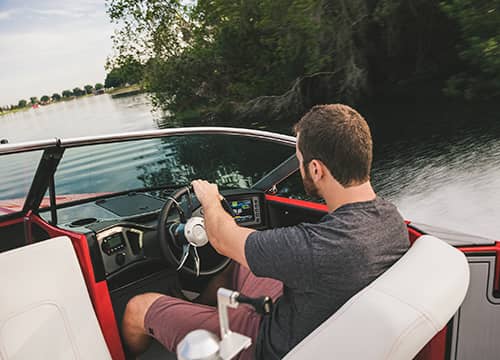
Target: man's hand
(225, 236)
(207, 193)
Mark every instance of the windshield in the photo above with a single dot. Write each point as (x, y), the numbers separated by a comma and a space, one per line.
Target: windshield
(17, 174)
(228, 160)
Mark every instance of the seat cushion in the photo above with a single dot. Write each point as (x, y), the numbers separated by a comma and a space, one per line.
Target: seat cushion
(45, 310)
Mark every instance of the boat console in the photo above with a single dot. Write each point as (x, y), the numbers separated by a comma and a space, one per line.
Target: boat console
(125, 229)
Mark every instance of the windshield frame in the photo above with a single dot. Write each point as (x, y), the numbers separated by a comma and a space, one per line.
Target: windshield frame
(54, 150)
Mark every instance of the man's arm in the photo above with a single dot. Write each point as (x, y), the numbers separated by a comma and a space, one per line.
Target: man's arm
(226, 237)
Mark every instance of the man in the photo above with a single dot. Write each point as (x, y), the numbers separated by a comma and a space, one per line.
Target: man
(310, 269)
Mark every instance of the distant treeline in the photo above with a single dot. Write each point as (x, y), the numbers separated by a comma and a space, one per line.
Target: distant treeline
(64, 95)
(209, 53)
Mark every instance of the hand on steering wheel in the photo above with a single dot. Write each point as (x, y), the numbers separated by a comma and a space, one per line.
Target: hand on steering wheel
(188, 234)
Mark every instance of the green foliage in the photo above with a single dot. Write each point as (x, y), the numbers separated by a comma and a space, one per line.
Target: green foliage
(125, 70)
(45, 99)
(67, 93)
(221, 50)
(211, 53)
(479, 22)
(78, 92)
(56, 97)
(22, 103)
(98, 86)
(88, 89)
(33, 100)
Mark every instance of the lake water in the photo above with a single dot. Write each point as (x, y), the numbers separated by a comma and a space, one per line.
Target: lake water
(440, 165)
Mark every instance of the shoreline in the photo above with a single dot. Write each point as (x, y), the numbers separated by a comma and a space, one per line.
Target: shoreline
(115, 93)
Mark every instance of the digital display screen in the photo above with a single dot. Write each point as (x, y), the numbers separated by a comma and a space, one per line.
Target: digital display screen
(114, 240)
(243, 210)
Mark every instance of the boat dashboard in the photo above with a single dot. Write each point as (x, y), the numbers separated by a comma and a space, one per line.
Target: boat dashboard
(124, 228)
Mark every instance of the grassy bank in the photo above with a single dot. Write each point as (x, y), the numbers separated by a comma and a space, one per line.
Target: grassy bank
(6, 112)
(125, 91)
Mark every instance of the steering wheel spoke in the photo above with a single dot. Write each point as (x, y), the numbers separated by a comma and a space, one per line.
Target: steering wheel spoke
(185, 254)
(197, 262)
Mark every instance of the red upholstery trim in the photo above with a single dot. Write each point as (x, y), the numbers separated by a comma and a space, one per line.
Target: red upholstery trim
(98, 291)
(435, 349)
(413, 234)
(299, 203)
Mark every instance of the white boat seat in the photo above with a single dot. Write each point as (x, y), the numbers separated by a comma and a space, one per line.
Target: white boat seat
(45, 310)
(398, 313)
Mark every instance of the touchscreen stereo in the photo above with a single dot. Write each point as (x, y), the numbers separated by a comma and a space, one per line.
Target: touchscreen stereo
(246, 210)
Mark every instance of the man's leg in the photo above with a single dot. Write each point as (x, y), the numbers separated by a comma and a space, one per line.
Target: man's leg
(133, 329)
(224, 279)
(245, 282)
(170, 319)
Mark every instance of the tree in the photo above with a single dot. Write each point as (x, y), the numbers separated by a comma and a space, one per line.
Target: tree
(98, 86)
(125, 70)
(113, 79)
(88, 89)
(67, 94)
(56, 97)
(78, 92)
(33, 100)
(209, 53)
(22, 103)
(45, 99)
(480, 47)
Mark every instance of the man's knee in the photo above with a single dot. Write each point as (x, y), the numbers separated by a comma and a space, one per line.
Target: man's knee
(136, 309)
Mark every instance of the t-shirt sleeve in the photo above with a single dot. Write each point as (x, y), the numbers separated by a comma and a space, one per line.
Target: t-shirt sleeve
(283, 254)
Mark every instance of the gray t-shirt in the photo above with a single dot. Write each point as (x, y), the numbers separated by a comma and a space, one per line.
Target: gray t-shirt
(321, 266)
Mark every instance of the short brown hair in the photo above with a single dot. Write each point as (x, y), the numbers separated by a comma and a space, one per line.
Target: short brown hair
(338, 136)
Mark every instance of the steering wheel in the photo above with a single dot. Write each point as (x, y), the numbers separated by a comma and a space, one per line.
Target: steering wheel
(180, 239)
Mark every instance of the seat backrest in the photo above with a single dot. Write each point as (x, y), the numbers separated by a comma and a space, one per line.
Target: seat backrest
(399, 312)
(45, 310)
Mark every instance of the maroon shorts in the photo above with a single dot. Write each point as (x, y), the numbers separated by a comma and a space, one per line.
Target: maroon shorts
(170, 319)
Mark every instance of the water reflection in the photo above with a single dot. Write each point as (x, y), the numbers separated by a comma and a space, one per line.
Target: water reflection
(230, 161)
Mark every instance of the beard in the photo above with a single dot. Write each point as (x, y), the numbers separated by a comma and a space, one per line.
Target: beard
(309, 185)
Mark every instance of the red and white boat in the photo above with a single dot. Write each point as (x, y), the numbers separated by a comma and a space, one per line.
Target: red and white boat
(84, 226)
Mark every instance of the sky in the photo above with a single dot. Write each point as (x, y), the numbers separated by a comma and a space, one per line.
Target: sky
(47, 46)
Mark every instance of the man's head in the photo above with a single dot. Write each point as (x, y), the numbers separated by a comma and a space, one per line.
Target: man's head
(335, 139)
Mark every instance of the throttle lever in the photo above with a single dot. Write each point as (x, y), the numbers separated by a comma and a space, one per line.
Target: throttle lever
(263, 305)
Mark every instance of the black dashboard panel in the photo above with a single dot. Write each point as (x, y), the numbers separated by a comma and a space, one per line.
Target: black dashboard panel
(131, 204)
(123, 229)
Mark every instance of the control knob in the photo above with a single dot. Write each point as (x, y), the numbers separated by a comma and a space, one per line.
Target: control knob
(120, 258)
